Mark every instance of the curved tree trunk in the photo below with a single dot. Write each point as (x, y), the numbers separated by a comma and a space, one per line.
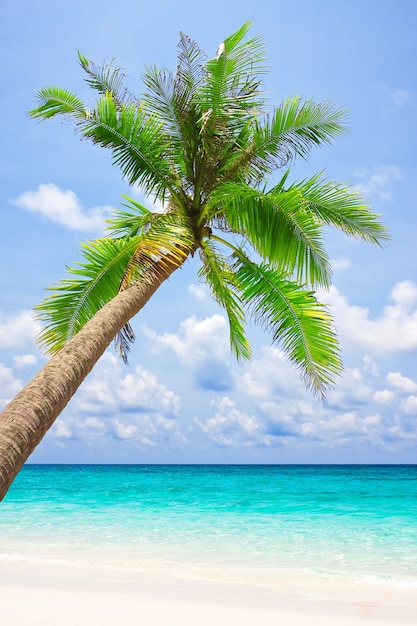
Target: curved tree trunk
(26, 419)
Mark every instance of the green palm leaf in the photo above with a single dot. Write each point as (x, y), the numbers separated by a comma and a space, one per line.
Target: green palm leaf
(277, 226)
(301, 325)
(56, 101)
(234, 76)
(110, 265)
(294, 128)
(93, 283)
(297, 126)
(104, 78)
(168, 239)
(133, 221)
(221, 279)
(337, 205)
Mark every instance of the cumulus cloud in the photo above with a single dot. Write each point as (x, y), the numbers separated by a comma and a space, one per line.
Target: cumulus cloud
(199, 292)
(114, 405)
(378, 181)
(341, 263)
(61, 430)
(402, 382)
(196, 340)
(409, 405)
(394, 331)
(109, 390)
(9, 385)
(229, 426)
(18, 329)
(62, 207)
(272, 409)
(383, 396)
(24, 360)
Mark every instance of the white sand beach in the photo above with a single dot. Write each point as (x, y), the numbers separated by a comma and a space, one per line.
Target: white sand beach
(42, 594)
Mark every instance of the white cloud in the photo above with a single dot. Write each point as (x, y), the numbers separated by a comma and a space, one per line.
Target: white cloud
(9, 385)
(108, 390)
(229, 426)
(378, 181)
(62, 207)
(394, 331)
(409, 405)
(402, 382)
(383, 396)
(148, 430)
(18, 329)
(60, 430)
(142, 389)
(197, 291)
(24, 360)
(341, 263)
(125, 431)
(196, 340)
(272, 409)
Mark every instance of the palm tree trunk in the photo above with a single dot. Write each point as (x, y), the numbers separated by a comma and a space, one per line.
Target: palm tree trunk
(27, 418)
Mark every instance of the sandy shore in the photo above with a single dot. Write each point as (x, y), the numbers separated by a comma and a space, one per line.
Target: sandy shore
(59, 595)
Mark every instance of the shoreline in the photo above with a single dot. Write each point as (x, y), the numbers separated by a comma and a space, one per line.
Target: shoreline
(101, 594)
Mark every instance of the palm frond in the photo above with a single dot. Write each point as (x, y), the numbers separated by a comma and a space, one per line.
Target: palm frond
(190, 73)
(234, 75)
(161, 102)
(92, 284)
(56, 101)
(297, 126)
(297, 321)
(160, 97)
(217, 273)
(138, 146)
(294, 128)
(169, 239)
(338, 205)
(285, 235)
(133, 221)
(105, 78)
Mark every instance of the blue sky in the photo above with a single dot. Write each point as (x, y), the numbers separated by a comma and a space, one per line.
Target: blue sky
(183, 398)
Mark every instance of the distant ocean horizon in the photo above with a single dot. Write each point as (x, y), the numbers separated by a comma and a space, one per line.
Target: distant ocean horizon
(341, 522)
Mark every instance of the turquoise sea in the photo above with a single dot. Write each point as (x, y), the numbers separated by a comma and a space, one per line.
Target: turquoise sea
(350, 523)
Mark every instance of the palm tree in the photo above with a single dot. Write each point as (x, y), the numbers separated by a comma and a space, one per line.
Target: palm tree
(203, 143)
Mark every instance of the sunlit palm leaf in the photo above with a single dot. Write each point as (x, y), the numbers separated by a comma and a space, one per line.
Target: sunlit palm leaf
(190, 74)
(234, 75)
(168, 239)
(297, 126)
(138, 146)
(133, 221)
(278, 227)
(337, 205)
(221, 279)
(294, 128)
(296, 320)
(93, 283)
(201, 142)
(56, 101)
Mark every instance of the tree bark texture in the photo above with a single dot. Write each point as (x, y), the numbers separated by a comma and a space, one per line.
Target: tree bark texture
(26, 419)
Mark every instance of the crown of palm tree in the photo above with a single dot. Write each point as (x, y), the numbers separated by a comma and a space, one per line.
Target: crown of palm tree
(203, 142)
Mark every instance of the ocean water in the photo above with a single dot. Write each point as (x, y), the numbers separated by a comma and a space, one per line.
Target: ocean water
(347, 523)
